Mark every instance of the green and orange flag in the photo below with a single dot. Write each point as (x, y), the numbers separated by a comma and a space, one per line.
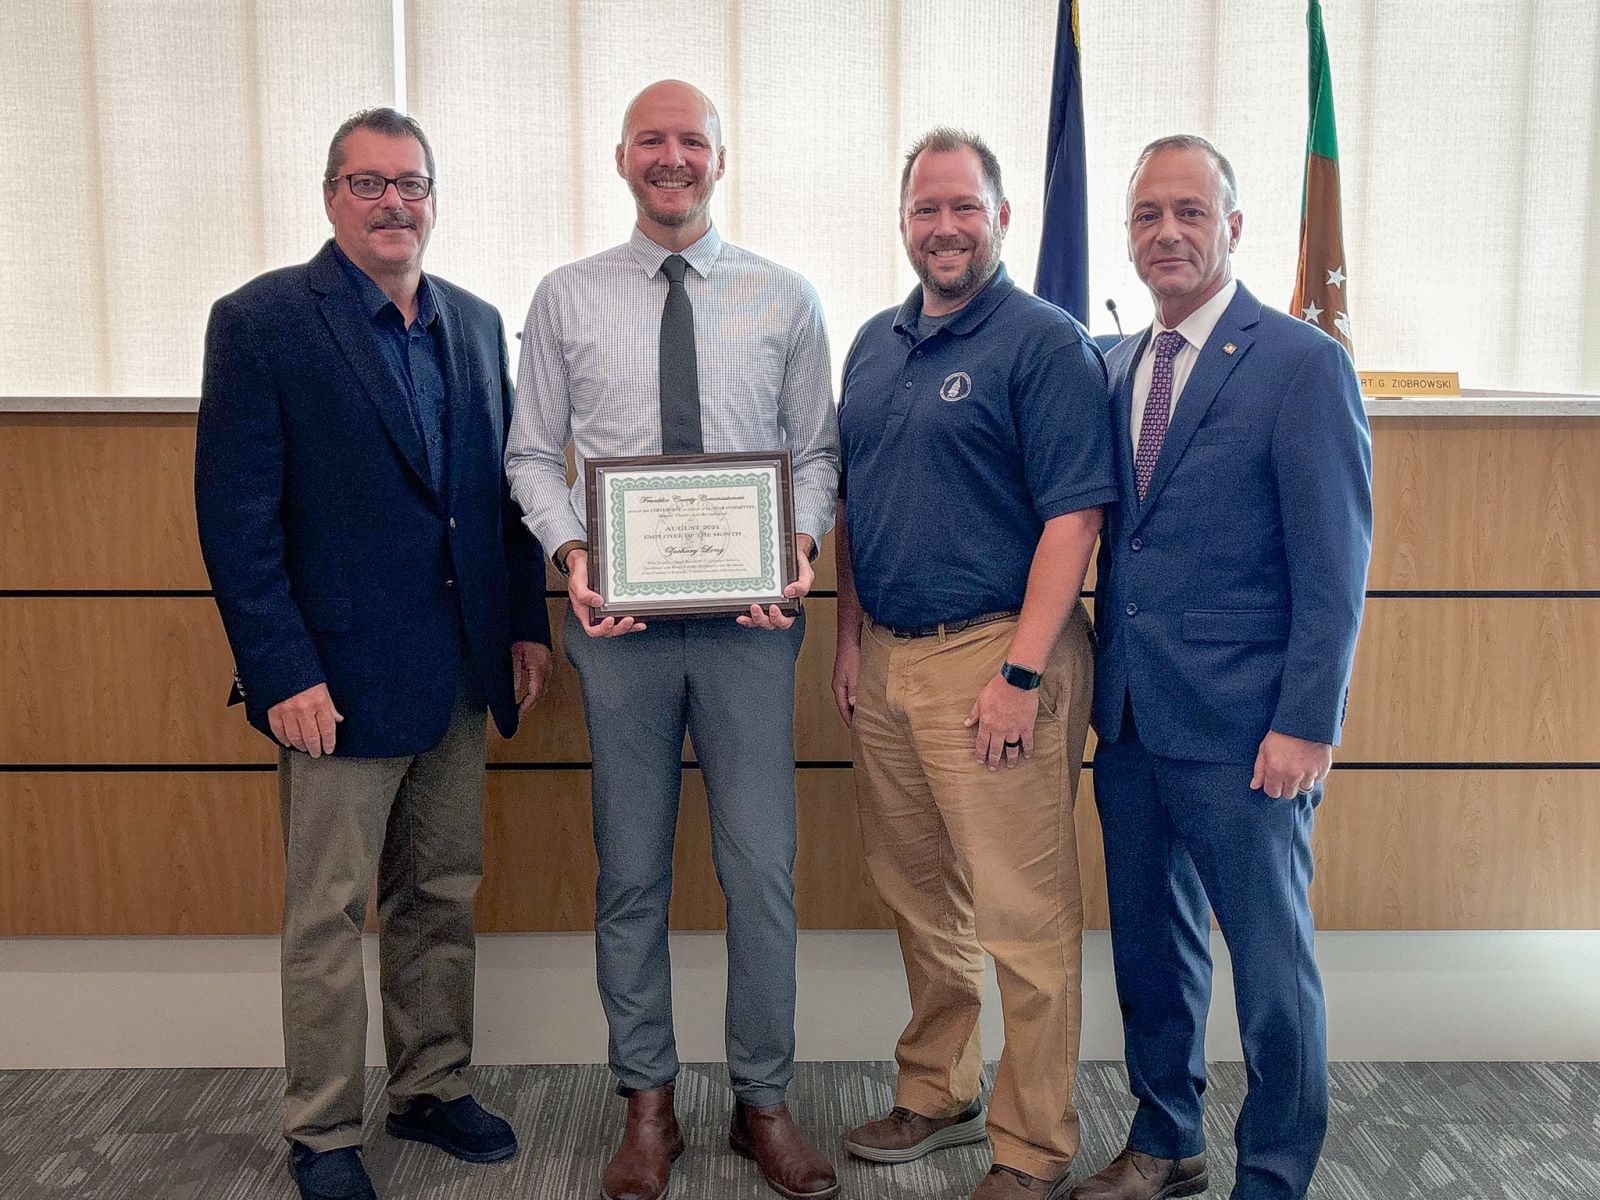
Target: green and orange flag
(1321, 286)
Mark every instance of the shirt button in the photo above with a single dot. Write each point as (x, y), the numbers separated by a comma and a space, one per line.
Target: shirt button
(1137, 543)
(450, 583)
(919, 354)
(1133, 610)
(908, 383)
(453, 524)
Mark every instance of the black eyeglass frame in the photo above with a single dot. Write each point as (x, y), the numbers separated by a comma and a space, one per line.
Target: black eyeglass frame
(352, 176)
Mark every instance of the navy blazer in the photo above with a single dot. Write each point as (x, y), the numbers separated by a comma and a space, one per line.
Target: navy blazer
(331, 556)
(1229, 599)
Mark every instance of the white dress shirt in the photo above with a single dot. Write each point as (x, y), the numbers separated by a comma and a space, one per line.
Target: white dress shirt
(590, 374)
(1195, 328)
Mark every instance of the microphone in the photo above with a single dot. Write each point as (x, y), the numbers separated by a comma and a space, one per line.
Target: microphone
(1112, 305)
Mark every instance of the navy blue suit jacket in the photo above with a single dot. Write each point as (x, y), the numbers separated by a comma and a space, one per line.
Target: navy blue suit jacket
(332, 558)
(1229, 599)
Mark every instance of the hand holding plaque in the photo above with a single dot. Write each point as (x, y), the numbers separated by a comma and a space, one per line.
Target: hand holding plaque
(691, 535)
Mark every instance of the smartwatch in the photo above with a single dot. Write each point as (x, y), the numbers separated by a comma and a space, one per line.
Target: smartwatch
(1021, 677)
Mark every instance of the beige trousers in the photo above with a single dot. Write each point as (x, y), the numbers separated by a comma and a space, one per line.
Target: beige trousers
(415, 822)
(971, 860)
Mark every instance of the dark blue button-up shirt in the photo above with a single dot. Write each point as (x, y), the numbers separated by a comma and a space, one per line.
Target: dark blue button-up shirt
(411, 355)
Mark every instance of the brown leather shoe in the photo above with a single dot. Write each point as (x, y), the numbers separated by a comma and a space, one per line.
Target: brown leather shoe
(904, 1136)
(788, 1163)
(1008, 1183)
(642, 1165)
(1134, 1175)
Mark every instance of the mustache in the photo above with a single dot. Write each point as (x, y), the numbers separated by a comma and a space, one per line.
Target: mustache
(669, 175)
(391, 218)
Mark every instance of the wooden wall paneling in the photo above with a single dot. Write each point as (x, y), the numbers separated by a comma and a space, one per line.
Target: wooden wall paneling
(143, 680)
(1476, 680)
(98, 501)
(1458, 850)
(196, 852)
(153, 853)
(1485, 503)
(119, 680)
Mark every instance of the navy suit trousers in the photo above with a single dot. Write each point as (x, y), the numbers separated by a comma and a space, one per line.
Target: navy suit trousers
(1183, 839)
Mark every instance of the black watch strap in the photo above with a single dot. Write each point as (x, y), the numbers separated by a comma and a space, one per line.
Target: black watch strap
(1020, 677)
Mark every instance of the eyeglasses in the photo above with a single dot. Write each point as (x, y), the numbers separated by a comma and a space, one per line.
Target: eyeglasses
(365, 185)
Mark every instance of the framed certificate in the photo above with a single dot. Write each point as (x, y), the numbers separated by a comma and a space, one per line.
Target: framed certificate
(690, 534)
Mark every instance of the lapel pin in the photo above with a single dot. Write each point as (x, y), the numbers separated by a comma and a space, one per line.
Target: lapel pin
(1229, 348)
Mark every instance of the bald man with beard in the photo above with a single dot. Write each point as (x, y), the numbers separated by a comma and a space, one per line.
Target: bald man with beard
(601, 352)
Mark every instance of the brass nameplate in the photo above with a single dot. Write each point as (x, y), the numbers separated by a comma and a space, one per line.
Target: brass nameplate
(1410, 383)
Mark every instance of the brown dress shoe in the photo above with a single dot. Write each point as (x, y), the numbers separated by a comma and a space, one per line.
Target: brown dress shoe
(904, 1136)
(788, 1163)
(1008, 1183)
(642, 1165)
(1134, 1175)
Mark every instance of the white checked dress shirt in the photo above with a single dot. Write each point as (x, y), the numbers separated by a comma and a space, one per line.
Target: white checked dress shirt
(590, 374)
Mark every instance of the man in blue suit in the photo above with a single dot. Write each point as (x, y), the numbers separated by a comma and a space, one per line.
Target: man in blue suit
(1230, 591)
(379, 593)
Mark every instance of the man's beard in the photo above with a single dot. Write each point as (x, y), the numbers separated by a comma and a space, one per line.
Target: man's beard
(645, 197)
(979, 267)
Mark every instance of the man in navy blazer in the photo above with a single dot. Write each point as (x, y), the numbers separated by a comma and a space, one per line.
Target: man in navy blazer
(1231, 582)
(379, 593)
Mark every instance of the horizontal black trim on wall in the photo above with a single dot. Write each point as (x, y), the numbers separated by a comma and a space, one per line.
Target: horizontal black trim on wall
(826, 594)
(810, 764)
(102, 593)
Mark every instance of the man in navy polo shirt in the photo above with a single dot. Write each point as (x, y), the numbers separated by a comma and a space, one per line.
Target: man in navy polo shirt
(976, 449)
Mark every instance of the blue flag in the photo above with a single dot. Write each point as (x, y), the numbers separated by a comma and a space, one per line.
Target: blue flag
(1063, 277)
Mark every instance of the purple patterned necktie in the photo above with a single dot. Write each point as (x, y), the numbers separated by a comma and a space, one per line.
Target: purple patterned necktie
(1153, 429)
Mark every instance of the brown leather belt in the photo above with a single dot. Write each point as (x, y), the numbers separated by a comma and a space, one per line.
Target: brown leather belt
(949, 627)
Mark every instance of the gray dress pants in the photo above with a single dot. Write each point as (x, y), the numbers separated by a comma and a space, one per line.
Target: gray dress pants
(733, 690)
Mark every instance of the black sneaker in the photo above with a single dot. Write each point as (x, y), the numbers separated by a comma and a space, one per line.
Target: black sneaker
(461, 1127)
(330, 1174)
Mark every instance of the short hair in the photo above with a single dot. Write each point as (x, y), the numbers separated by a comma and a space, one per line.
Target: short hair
(387, 121)
(1193, 141)
(943, 139)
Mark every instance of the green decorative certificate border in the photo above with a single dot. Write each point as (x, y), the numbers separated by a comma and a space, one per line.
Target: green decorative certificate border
(764, 584)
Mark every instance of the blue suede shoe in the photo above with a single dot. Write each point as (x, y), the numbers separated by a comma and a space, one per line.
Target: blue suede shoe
(330, 1174)
(461, 1127)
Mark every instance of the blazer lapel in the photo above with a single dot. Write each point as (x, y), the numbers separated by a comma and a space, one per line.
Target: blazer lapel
(1223, 351)
(352, 332)
(1122, 418)
(458, 389)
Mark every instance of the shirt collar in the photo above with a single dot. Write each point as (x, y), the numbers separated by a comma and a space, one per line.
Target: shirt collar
(969, 316)
(1197, 326)
(374, 299)
(700, 256)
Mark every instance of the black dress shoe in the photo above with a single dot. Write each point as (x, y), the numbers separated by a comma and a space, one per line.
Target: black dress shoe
(461, 1127)
(330, 1174)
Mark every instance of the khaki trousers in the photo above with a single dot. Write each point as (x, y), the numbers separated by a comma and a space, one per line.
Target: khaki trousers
(971, 860)
(417, 823)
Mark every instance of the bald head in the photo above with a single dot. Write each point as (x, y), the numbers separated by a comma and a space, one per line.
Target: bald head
(677, 98)
(671, 155)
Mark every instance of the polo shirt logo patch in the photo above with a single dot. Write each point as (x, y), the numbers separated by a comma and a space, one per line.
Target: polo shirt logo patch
(957, 386)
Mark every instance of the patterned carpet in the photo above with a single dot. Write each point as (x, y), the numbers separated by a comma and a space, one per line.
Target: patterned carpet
(1488, 1131)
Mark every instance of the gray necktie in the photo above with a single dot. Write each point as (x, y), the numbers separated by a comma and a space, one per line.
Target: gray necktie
(680, 374)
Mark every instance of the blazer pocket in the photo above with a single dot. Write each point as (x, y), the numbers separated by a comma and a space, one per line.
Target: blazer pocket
(324, 615)
(1249, 625)
(1223, 436)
